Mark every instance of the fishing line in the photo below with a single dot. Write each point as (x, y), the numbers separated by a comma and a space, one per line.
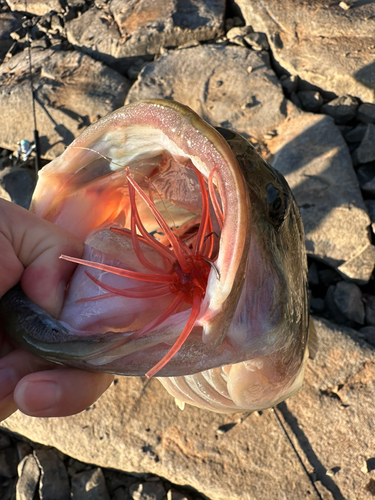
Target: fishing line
(284, 431)
(36, 134)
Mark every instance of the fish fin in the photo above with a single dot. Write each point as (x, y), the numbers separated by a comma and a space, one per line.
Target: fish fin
(312, 341)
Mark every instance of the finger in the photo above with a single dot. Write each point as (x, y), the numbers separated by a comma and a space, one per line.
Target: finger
(60, 392)
(30, 247)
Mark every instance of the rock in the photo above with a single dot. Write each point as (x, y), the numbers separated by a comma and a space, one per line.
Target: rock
(356, 134)
(289, 83)
(365, 152)
(368, 334)
(23, 449)
(257, 41)
(311, 153)
(89, 485)
(334, 413)
(36, 7)
(317, 304)
(370, 205)
(310, 99)
(71, 92)
(176, 495)
(366, 112)
(213, 80)
(333, 312)
(348, 298)
(4, 441)
(342, 109)
(370, 309)
(19, 183)
(9, 23)
(313, 276)
(124, 30)
(239, 32)
(54, 482)
(147, 491)
(28, 478)
(366, 178)
(320, 42)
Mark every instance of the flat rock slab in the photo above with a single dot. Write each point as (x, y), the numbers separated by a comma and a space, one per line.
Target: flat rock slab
(127, 29)
(228, 86)
(136, 427)
(311, 153)
(71, 92)
(36, 7)
(323, 43)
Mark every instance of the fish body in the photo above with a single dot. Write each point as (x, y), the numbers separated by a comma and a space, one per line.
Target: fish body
(194, 266)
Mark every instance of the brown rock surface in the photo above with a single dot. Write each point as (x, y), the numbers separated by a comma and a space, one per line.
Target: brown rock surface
(71, 92)
(320, 41)
(312, 155)
(124, 30)
(135, 426)
(37, 7)
(228, 86)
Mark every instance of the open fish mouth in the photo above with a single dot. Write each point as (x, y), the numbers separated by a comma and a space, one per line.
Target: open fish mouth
(184, 273)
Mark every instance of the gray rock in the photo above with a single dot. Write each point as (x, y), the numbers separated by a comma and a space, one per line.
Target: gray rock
(124, 30)
(215, 82)
(37, 7)
(253, 460)
(342, 109)
(348, 298)
(71, 91)
(370, 205)
(9, 22)
(366, 178)
(257, 41)
(311, 100)
(370, 309)
(313, 276)
(317, 304)
(153, 490)
(311, 153)
(54, 481)
(19, 183)
(356, 134)
(334, 313)
(366, 112)
(28, 478)
(320, 42)
(289, 83)
(8, 462)
(368, 334)
(238, 32)
(365, 152)
(89, 485)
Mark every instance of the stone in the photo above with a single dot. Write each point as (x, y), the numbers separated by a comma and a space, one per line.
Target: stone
(28, 478)
(370, 205)
(176, 495)
(333, 312)
(19, 183)
(54, 481)
(366, 178)
(311, 153)
(23, 449)
(331, 421)
(213, 80)
(89, 485)
(289, 83)
(311, 100)
(317, 304)
(348, 298)
(313, 276)
(9, 23)
(320, 42)
(124, 30)
(71, 90)
(356, 134)
(368, 334)
(4, 440)
(8, 462)
(36, 7)
(342, 109)
(366, 112)
(370, 309)
(147, 491)
(365, 152)
(257, 41)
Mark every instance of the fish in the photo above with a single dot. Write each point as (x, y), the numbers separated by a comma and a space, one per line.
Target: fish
(194, 267)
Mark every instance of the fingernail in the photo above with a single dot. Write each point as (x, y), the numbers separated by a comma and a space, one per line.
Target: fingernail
(34, 397)
(7, 382)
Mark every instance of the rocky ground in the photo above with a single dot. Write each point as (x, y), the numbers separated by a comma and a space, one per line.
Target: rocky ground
(298, 80)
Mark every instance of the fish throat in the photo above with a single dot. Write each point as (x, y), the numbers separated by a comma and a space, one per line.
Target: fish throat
(189, 253)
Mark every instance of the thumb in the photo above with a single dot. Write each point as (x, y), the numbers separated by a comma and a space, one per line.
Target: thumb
(29, 252)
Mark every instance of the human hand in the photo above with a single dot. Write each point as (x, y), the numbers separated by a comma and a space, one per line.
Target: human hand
(29, 253)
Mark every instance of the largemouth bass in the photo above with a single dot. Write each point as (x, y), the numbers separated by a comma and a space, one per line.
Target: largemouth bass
(194, 267)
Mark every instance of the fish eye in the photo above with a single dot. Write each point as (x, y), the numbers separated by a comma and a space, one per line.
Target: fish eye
(277, 204)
